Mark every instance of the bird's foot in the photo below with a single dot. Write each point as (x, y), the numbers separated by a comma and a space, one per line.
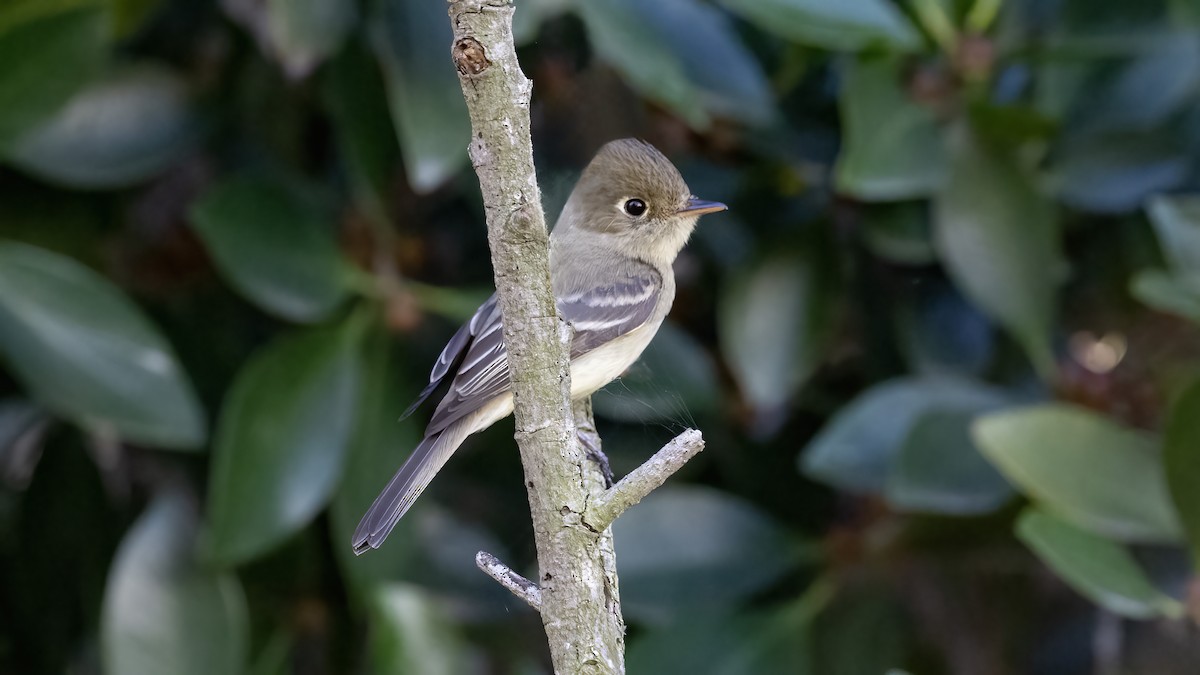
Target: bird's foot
(591, 443)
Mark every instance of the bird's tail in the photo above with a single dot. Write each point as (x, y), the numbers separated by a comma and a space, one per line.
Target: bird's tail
(404, 488)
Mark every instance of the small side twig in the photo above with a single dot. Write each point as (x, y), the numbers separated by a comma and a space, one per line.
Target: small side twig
(506, 577)
(631, 489)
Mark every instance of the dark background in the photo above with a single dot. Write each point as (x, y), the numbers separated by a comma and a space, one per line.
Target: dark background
(941, 346)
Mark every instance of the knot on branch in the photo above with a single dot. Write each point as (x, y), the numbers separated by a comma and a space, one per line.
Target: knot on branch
(469, 57)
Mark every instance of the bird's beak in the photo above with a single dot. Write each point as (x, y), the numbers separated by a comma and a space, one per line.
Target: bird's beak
(699, 207)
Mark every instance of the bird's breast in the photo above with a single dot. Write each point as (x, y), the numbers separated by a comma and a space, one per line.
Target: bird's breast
(593, 370)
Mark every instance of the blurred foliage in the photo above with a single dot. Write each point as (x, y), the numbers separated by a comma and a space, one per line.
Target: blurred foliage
(943, 346)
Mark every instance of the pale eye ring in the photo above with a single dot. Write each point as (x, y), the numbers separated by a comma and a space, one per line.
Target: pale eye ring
(635, 207)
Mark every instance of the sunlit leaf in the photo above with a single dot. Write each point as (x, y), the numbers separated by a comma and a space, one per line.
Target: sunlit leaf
(1181, 460)
(1083, 467)
(776, 319)
(282, 438)
(119, 131)
(633, 48)
(998, 238)
(893, 147)
(164, 614)
(47, 58)
(411, 40)
(939, 470)
(411, 633)
(273, 246)
(844, 25)
(1098, 568)
(857, 448)
(673, 380)
(687, 549)
(85, 351)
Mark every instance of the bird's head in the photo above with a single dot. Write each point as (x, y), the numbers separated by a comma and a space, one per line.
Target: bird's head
(632, 198)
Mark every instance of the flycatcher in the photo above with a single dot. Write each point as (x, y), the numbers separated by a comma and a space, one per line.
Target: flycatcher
(611, 256)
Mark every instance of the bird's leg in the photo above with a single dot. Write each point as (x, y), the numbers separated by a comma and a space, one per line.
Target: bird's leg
(589, 438)
(591, 443)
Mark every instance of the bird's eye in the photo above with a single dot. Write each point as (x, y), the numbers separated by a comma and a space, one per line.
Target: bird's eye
(635, 207)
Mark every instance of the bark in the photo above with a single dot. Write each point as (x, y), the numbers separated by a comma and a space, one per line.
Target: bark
(576, 591)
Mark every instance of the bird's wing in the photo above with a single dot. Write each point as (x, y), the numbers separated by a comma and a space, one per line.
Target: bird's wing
(604, 312)
(454, 351)
(601, 313)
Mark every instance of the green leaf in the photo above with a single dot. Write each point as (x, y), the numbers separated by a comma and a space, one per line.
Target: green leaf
(1176, 221)
(689, 549)
(1083, 467)
(636, 51)
(119, 131)
(1181, 461)
(530, 16)
(939, 469)
(1173, 295)
(728, 78)
(899, 232)
(17, 418)
(411, 40)
(940, 332)
(857, 448)
(1116, 173)
(845, 25)
(46, 59)
(1138, 93)
(273, 246)
(1096, 567)
(85, 351)
(674, 379)
(352, 92)
(163, 613)
(776, 320)
(126, 17)
(861, 614)
(282, 439)
(893, 147)
(17, 12)
(411, 633)
(379, 446)
(303, 33)
(999, 240)
(764, 643)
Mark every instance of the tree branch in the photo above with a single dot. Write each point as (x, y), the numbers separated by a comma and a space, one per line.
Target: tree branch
(506, 577)
(577, 571)
(641, 481)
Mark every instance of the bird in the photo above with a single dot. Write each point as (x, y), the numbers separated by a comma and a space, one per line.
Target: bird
(611, 255)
